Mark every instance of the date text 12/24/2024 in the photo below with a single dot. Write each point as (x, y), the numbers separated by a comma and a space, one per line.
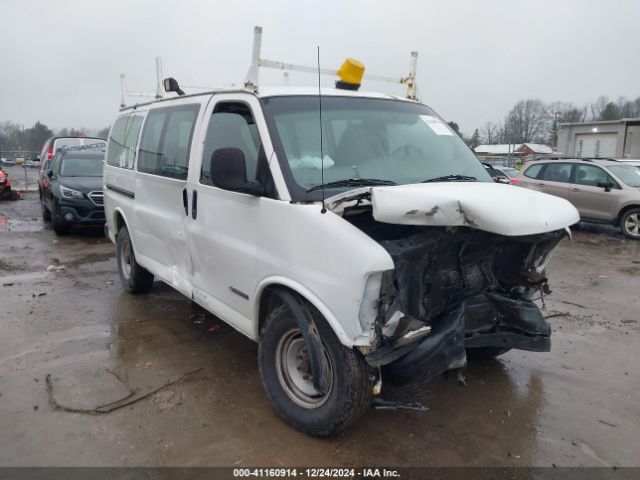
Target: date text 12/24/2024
(315, 473)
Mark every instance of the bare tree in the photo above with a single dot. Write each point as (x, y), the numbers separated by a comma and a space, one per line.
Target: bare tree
(527, 121)
(598, 107)
(489, 133)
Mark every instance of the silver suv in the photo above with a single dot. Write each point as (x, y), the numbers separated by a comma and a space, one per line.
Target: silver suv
(603, 191)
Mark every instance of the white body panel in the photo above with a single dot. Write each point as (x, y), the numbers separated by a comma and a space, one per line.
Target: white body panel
(491, 207)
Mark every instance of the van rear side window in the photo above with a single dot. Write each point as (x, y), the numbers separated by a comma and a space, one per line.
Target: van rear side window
(166, 140)
(122, 141)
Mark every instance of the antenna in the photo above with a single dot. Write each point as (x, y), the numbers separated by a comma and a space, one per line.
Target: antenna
(324, 209)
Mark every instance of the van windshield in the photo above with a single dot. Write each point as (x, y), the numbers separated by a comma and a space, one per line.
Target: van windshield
(390, 141)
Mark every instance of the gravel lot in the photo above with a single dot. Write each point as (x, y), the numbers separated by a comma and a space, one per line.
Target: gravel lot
(64, 314)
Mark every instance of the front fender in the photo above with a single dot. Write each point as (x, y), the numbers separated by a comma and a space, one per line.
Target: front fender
(304, 292)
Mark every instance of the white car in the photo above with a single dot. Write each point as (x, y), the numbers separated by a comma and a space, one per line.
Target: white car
(387, 248)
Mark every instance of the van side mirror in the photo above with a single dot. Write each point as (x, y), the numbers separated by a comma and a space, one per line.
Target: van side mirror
(605, 184)
(50, 173)
(229, 171)
(171, 85)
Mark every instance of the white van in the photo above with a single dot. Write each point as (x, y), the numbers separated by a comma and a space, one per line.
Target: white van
(414, 258)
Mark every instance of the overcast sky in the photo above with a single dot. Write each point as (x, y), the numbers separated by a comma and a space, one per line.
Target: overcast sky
(60, 60)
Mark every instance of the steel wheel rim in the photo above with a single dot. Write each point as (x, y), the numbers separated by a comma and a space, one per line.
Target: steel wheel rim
(632, 225)
(125, 259)
(294, 374)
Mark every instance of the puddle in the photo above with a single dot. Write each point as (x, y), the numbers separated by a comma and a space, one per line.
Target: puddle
(23, 225)
(9, 280)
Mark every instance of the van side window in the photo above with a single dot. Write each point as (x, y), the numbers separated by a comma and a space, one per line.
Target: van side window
(232, 126)
(121, 150)
(166, 141)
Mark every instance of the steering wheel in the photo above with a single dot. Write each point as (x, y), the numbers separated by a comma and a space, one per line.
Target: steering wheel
(406, 150)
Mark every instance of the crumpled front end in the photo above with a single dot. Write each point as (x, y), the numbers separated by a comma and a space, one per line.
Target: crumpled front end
(453, 289)
(468, 259)
(472, 289)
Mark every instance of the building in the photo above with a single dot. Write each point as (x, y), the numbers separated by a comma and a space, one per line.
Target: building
(507, 154)
(611, 138)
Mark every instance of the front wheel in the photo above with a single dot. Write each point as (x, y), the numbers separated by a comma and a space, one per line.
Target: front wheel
(61, 228)
(286, 376)
(46, 214)
(630, 223)
(134, 278)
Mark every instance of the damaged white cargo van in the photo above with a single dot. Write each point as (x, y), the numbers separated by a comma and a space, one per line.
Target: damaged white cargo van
(418, 257)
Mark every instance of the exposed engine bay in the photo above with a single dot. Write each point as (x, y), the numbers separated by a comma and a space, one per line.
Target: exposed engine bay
(455, 288)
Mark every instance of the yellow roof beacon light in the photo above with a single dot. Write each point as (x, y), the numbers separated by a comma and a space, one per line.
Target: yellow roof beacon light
(350, 74)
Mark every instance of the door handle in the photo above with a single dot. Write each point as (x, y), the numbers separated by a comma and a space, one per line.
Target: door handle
(575, 189)
(185, 201)
(194, 204)
(541, 184)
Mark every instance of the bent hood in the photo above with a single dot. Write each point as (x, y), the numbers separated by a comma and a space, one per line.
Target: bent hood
(492, 207)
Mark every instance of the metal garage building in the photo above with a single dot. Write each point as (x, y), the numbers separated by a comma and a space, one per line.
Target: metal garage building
(613, 138)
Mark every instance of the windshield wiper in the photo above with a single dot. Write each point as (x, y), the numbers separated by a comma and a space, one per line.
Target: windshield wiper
(451, 178)
(352, 182)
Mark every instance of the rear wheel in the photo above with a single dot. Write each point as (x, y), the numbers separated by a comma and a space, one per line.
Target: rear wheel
(286, 376)
(134, 278)
(630, 223)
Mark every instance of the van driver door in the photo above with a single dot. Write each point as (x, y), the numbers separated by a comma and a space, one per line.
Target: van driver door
(224, 226)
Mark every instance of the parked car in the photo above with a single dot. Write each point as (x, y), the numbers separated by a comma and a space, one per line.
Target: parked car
(32, 164)
(507, 172)
(60, 145)
(8, 162)
(603, 191)
(20, 160)
(53, 144)
(393, 249)
(496, 174)
(72, 194)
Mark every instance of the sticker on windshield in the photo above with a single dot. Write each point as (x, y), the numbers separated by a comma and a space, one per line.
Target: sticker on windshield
(436, 125)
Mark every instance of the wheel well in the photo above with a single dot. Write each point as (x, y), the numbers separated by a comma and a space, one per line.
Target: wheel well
(119, 221)
(623, 211)
(268, 301)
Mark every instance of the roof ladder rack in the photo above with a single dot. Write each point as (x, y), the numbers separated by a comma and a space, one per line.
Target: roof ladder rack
(251, 80)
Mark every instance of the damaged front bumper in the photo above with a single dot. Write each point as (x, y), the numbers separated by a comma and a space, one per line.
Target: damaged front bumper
(472, 289)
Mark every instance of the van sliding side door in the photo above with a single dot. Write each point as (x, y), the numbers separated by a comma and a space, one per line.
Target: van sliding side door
(160, 218)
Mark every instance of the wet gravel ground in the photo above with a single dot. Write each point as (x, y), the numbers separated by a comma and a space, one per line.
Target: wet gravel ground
(63, 313)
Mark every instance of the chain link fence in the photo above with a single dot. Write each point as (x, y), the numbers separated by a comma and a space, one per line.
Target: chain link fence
(22, 167)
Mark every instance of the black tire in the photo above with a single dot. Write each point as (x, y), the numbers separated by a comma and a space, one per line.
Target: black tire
(485, 353)
(630, 223)
(350, 382)
(61, 228)
(46, 214)
(134, 278)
